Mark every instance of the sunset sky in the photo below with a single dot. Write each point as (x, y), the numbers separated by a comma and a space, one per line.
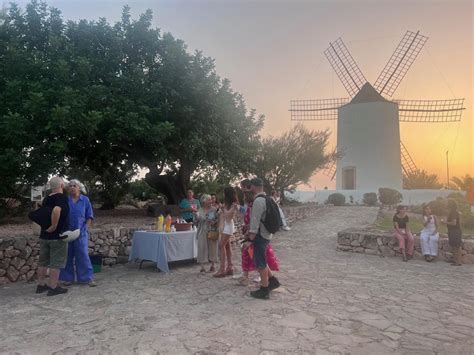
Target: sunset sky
(272, 51)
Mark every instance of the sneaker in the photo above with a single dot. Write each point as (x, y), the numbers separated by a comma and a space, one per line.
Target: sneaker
(56, 291)
(42, 288)
(286, 228)
(273, 283)
(262, 293)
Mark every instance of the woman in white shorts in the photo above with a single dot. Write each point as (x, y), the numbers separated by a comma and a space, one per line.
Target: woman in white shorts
(229, 211)
(429, 236)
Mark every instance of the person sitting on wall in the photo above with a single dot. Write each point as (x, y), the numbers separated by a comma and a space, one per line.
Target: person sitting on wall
(403, 234)
(429, 235)
(188, 206)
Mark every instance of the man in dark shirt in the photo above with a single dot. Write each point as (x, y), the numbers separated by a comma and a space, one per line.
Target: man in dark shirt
(53, 250)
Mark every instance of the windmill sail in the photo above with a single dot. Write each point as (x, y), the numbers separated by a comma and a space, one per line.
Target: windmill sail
(315, 110)
(430, 110)
(345, 67)
(330, 170)
(399, 63)
(408, 165)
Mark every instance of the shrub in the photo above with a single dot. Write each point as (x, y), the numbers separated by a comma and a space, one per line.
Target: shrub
(389, 196)
(336, 199)
(370, 199)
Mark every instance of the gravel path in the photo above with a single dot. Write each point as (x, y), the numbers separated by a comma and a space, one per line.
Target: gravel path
(330, 303)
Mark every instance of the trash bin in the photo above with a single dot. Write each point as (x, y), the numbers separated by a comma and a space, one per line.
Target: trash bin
(96, 261)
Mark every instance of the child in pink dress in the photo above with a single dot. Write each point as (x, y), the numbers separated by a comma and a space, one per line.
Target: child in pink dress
(247, 252)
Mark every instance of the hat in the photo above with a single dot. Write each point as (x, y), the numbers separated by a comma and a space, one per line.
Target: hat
(256, 182)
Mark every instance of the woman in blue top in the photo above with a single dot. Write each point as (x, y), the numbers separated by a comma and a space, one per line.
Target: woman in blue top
(78, 267)
(188, 206)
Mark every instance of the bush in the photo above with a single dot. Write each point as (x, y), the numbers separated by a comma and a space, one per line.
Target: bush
(389, 196)
(140, 190)
(370, 199)
(336, 199)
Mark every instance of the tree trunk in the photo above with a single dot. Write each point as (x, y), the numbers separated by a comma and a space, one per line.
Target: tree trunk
(172, 186)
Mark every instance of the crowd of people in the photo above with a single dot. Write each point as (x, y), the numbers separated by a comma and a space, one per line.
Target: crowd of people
(429, 235)
(216, 225)
(69, 262)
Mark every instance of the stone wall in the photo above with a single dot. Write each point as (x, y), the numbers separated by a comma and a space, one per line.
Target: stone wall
(19, 255)
(384, 244)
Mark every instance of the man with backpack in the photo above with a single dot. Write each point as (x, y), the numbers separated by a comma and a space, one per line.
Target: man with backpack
(264, 221)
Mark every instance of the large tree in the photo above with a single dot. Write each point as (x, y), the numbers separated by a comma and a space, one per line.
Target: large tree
(107, 99)
(291, 159)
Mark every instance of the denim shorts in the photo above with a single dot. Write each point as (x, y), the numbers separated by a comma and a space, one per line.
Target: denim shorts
(259, 251)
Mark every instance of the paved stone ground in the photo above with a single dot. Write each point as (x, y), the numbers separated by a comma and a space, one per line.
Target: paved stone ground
(331, 303)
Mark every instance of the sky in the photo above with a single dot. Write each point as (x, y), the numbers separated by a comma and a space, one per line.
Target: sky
(272, 51)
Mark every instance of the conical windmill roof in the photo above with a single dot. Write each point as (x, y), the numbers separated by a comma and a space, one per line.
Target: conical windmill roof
(367, 94)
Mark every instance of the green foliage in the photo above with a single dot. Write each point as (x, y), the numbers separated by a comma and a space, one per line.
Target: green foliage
(336, 199)
(292, 159)
(463, 183)
(389, 196)
(140, 190)
(370, 199)
(421, 180)
(108, 99)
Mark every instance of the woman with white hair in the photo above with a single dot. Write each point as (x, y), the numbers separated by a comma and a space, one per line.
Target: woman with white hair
(78, 266)
(207, 236)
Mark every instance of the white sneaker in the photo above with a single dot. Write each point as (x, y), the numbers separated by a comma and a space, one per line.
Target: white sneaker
(286, 228)
(257, 279)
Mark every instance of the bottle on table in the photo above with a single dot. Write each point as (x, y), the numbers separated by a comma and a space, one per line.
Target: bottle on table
(168, 224)
(159, 223)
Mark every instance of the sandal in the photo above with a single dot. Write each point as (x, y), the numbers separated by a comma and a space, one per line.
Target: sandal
(219, 274)
(229, 272)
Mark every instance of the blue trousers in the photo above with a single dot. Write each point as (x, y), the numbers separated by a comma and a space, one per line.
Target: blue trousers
(78, 266)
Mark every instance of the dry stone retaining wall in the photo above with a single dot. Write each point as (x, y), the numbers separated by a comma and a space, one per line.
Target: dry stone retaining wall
(19, 255)
(384, 244)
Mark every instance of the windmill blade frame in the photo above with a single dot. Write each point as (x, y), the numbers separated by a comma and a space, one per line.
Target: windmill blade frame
(316, 110)
(330, 170)
(430, 111)
(399, 63)
(408, 164)
(345, 66)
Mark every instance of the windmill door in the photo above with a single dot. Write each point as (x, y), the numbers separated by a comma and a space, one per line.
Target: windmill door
(348, 178)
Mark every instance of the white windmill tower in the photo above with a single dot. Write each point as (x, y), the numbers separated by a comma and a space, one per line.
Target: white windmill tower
(368, 129)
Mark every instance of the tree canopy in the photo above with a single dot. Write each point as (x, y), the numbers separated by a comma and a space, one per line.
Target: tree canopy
(421, 180)
(101, 100)
(293, 158)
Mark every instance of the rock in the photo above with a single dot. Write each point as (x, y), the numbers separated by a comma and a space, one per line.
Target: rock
(359, 250)
(355, 243)
(112, 254)
(30, 275)
(24, 270)
(3, 272)
(12, 274)
(4, 263)
(341, 248)
(17, 263)
(299, 320)
(4, 280)
(11, 253)
(26, 252)
(1, 254)
(20, 243)
(30, 261)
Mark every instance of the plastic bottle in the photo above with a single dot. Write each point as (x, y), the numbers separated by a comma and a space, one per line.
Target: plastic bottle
(168, 224)
(159, 223)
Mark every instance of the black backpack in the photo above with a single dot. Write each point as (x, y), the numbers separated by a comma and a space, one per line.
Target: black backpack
(272, 219)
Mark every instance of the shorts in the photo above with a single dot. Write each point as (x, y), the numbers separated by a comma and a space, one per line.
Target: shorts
(229, 228)
(259, 252)
(52, 253)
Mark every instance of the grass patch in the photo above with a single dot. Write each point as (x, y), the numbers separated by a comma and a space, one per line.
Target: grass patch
(415, 224)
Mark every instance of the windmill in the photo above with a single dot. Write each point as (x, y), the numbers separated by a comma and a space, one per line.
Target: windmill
(368, 124)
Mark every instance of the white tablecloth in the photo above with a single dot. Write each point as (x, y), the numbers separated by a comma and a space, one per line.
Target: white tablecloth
(163, 247)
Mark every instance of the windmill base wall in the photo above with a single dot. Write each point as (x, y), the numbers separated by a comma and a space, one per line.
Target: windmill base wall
(410, 197)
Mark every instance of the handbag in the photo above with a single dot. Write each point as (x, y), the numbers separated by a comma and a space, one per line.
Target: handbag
(213, 235)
